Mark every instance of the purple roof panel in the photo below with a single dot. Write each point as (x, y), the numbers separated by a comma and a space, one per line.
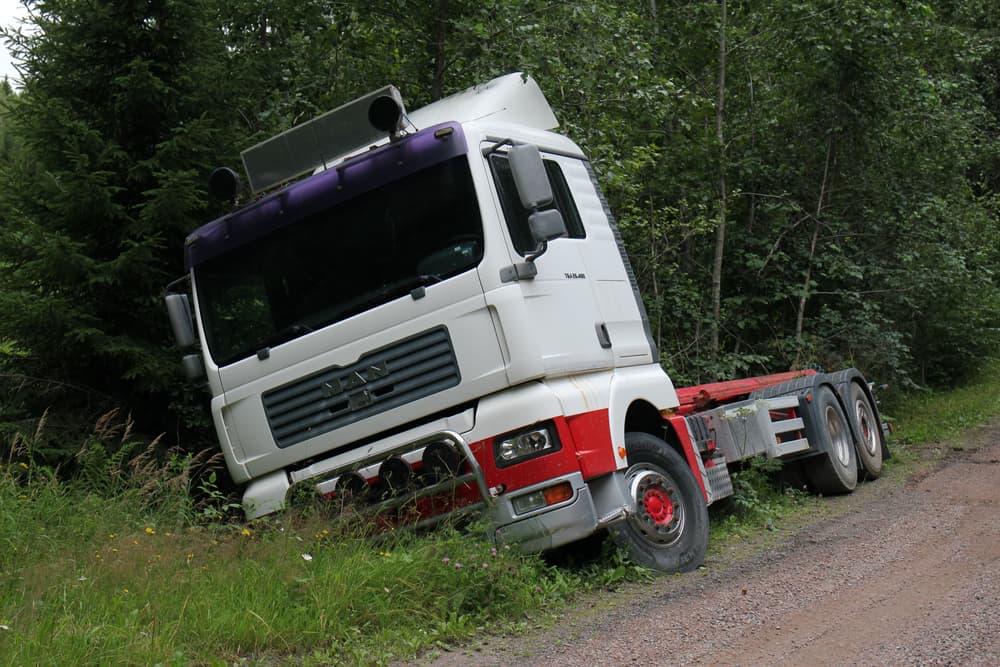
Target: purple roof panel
(323, 190)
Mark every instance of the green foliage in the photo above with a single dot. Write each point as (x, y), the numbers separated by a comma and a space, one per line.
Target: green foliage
(936, 416)
(759, 497)
(116, 122)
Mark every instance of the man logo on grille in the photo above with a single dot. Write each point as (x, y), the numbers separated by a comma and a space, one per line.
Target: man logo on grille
(356, 379)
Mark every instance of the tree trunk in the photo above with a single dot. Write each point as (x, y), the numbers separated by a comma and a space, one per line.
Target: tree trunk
(800, 317)
(437, 85)
(720, 230)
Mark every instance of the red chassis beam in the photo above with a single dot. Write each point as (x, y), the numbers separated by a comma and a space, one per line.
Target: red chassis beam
(704, 396)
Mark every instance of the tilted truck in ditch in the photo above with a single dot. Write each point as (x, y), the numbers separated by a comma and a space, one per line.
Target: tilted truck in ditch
(440, 318)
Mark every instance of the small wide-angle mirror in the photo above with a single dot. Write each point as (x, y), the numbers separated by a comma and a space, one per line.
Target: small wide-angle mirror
(546, 225)
(192, 366)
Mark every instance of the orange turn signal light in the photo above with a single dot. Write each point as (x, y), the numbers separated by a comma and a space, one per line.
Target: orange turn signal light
(558, 493)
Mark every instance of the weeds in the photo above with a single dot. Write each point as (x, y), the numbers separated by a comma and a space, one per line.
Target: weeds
(935, 416)
(123, 565)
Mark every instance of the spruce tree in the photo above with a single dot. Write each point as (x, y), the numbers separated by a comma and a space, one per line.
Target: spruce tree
(119, 128)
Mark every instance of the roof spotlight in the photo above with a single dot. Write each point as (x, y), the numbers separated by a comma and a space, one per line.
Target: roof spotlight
(386, 114)
(225, 184)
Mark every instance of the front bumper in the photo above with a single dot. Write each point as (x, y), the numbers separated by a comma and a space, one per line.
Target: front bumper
(593, 506)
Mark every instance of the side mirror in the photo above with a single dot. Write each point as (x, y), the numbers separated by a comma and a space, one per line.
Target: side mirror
(192, 366)
(534, 190)
(179, 312)
(546, 225)
(530, 179)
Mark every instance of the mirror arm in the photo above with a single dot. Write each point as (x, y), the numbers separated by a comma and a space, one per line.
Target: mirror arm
(543, 245)
(490, 150)
(174, 287)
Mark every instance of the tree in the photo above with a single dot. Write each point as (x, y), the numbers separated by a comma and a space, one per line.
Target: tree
(119, 125)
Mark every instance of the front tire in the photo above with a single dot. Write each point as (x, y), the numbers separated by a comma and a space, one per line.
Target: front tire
(669, 529)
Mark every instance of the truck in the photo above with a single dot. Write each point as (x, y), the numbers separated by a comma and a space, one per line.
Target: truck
(431, 314)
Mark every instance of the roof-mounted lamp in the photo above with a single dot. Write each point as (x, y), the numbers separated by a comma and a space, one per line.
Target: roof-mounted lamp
(385, 113)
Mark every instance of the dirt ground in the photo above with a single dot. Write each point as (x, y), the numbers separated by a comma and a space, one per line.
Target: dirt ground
(904, 571)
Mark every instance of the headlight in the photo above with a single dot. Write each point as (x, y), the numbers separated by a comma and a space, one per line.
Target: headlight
(523, 445)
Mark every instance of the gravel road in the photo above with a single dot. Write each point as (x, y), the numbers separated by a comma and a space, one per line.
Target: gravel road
(905, 571)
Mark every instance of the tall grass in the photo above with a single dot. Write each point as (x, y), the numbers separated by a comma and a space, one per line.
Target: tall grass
(933, 416)
(120, 565)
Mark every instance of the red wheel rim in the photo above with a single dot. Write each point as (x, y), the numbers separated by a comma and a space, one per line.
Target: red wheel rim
(659, 506)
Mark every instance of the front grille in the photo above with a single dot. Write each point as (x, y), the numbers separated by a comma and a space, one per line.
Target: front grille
(378, 381)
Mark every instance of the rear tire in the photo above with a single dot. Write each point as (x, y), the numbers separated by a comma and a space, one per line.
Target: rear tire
(866, 426)
(669, 529)
(836, 469)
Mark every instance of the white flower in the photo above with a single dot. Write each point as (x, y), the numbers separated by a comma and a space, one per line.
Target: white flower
(307, 557)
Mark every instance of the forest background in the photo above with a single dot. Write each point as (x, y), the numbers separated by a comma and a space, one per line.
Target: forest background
(799, 183)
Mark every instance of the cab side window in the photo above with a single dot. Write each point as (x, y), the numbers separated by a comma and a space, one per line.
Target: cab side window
(517, 216)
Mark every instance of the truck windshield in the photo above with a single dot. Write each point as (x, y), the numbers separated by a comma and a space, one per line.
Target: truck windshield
(341, 261)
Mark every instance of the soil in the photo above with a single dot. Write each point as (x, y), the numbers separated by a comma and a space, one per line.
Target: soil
(904, 571)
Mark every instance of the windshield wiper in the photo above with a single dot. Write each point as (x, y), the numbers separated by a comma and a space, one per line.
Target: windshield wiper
(413, 284)
(288, 333)
(379, 295)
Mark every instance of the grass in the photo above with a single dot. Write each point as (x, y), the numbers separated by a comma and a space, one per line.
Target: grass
(138, 573)
(122, 566)
(84, 581)
(937, 416)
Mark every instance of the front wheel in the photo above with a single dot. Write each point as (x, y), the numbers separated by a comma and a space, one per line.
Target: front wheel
(668, 530)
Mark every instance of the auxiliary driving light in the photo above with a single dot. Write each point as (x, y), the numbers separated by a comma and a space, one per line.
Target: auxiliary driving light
(394, 476)
(386, 114)
(441, 462)
(351, 485)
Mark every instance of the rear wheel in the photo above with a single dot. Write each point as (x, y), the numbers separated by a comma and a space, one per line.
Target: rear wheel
(669, 529)
(862, 415)
(836, 470)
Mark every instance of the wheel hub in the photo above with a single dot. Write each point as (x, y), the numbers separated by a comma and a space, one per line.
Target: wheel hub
(869, 436)
(659, 514)
(837, 431)
(658, 505)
